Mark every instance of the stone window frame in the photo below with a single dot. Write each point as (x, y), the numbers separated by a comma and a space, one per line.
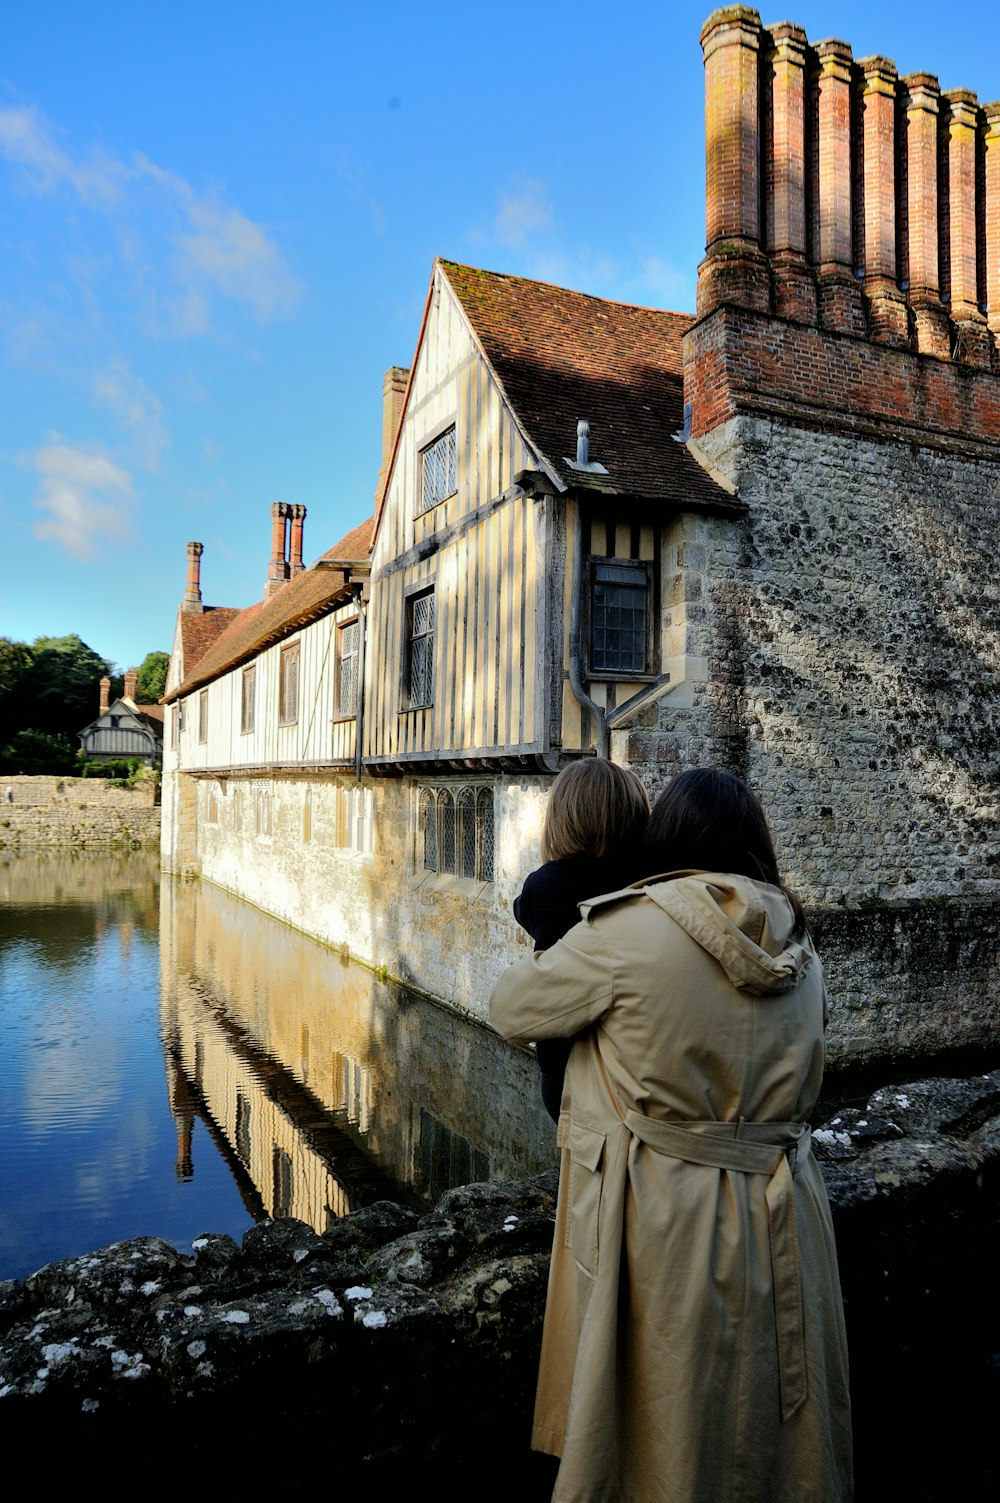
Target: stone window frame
(455, 830)
(288, 684)
(354, 823)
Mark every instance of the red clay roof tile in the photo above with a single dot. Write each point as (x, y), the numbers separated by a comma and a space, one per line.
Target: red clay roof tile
(562, 355)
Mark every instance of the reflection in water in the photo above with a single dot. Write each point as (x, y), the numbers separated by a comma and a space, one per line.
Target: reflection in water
(330, 1088)
(295, 1084)
(86, 1141)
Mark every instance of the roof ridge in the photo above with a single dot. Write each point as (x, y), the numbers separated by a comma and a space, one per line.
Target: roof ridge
(590, 297)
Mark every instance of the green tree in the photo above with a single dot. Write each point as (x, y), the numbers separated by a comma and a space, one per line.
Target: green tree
(15, 660)
(60, 692)
(32, 752)
(151, 680)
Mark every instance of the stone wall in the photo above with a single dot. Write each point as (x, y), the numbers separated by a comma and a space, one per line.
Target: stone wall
(851, 674)
(82, 813)
(450, 937)
(394, 1347)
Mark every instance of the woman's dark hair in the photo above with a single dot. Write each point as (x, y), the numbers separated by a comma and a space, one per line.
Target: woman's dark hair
(706, 819)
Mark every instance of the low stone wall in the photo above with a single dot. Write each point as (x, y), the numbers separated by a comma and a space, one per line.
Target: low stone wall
(80, 813)
(394, 1346)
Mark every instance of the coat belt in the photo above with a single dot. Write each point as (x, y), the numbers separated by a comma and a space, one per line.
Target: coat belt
(771, 1148)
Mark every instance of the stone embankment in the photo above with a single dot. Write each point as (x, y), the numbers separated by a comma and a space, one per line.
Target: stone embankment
(77, 813)
(397, 1347)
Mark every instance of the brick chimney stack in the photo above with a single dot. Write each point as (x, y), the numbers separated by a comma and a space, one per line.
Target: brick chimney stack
(277, 570)
(295, 564)
(105, 687)
(131, 675)
(192, 595)
(393, 395)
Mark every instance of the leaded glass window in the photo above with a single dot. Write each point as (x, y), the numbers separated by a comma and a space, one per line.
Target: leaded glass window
(421, 648)
(347, 686)
(619, 619)
(438, 470)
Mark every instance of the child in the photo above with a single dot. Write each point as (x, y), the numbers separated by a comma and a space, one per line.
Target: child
(592, 843)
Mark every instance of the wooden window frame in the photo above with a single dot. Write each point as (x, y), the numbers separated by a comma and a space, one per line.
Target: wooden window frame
(343, 711)
(248, 699)
(433, 457)
(641, 568)
(288, 684)
(414, 595)
(203, 717)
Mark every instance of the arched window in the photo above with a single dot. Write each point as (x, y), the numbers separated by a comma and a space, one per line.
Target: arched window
(428, 829)
(446, 830)
(484, 827)
(467, 841)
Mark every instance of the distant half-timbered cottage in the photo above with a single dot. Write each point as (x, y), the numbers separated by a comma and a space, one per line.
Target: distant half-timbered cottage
(124, 729)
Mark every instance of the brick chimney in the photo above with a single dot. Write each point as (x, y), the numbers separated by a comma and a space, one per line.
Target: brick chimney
(277, 569)
(295, 564)
(192, 595)
(131, 675)
(105, 687)
(393, 395)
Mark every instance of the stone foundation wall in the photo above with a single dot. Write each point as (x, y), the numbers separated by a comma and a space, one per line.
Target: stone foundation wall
(82, 813)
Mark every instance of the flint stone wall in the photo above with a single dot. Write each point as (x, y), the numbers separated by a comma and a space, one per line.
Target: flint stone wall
(81, 813)
(398, 1346)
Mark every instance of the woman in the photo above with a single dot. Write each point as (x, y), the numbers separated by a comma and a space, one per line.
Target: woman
(694, 1345)
(592, 842)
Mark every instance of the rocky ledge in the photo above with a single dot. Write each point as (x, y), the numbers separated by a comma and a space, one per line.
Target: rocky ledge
(394, 1344)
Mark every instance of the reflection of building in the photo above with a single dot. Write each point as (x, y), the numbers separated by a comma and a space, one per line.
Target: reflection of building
(124, 729)
(330, 1092)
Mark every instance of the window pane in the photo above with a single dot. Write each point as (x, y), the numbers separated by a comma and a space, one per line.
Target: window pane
(618, 620)
(438, 467)
(446, 810)
(428, 824)
(347, 698)
(484, 821)
(467, 833)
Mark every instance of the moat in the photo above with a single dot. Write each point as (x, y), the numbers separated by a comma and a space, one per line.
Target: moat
(176, 1061)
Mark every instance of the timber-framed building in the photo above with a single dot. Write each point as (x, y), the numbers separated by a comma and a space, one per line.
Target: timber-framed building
(762, 535)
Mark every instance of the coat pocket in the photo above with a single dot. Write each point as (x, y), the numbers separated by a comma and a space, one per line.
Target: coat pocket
(586, 1151)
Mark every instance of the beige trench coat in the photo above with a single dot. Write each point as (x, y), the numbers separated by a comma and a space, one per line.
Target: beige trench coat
(694, 1347)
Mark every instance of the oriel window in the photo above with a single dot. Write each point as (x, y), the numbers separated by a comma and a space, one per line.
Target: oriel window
(619, 618)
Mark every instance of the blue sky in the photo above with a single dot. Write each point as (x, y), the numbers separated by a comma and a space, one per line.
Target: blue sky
(217, 227)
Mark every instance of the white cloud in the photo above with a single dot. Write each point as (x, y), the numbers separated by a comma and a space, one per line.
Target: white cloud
(138, 410)
(522, 214)
(25, 139)
(216, 248)
(87, 495)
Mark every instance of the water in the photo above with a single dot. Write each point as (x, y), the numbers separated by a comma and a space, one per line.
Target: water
(173, 1061)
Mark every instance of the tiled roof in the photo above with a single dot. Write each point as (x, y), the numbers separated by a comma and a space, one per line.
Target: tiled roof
(303, 599)
(356, 545)
(562, 355)
(199, 629)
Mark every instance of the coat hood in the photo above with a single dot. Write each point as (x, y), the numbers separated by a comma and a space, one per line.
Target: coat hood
(746, 926)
